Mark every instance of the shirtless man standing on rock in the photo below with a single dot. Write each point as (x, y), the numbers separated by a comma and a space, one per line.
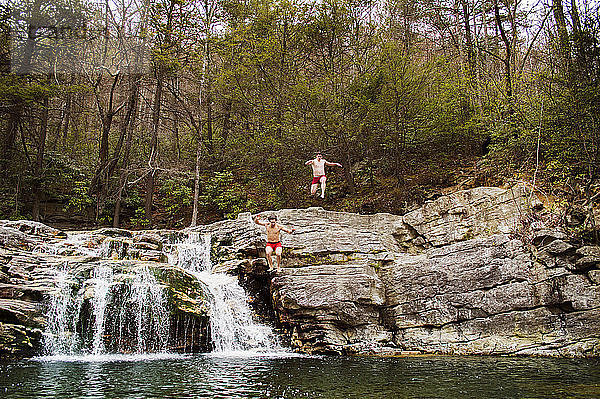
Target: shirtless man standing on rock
(273, 241)
(318, 167)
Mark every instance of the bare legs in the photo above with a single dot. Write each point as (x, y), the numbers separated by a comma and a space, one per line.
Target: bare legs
(313, 187)
(269, 252)
(278, 252)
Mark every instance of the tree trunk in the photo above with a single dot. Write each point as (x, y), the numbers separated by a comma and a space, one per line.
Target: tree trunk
(99, 181)
(153, 146)
(563, 35)
(127, 120)
(196, 185)
(39, 163)
(66, 120)
(11, 137)
(507, 55)
(130, 128)
(469, 40)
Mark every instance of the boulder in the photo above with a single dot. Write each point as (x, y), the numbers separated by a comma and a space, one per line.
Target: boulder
(547, 236)
(114, 232)
(558, 247)
(32, 228)
(26, 313)
(594, 276)
(590, 258)
(591, 251)
(19, 341)
(463, 215)
(587, 262)
(13, 238)
(330, 308)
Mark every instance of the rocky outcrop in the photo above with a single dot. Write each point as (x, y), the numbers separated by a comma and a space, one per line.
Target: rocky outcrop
(469, 214)
(332, 308)
(488, 295)
(449, 277)
(34, 259)
(460, 275)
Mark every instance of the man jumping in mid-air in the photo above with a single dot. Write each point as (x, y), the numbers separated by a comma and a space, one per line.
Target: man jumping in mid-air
(318, 167)
(273, 241)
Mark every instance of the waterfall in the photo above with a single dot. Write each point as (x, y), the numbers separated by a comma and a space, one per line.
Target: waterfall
(232, 326)
(112, 311)
(111, 306)
(59, 337)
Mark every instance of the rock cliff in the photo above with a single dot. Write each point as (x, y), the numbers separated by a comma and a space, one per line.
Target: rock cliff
(450, 277)
(34, 259)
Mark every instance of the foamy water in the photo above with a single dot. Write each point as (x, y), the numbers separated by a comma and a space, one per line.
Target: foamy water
(129, 305)
(113, 357)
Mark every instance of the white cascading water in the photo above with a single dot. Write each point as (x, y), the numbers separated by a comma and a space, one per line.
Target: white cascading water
(112, 310)
(232, 326)
(129, 308)
(59, 337)
(101, 279)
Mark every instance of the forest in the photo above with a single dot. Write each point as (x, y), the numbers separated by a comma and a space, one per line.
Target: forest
(172, 113)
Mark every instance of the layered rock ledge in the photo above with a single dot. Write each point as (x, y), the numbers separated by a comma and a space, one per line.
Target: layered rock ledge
(450, 277)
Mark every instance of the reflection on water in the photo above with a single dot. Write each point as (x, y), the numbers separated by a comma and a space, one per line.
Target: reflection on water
(272, 376)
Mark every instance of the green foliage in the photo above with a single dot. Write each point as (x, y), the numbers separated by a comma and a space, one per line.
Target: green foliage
(139, 219)
(135, 202)
(175, 196)
(278, 79)
(219, 191)
(79, 200)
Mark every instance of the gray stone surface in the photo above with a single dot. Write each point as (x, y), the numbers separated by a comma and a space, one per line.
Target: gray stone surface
(465, 288)
(467, 214)
(547, 236)
(488, 296)
(13, 238)
(331, 308)
(19, 341)
(32, 228)
(558, 247)
(448, 277)
(589, 250)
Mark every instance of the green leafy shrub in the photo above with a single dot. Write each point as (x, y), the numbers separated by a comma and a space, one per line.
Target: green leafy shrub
(79, 200)
(139, 220)
(175, 196)
(221, 192)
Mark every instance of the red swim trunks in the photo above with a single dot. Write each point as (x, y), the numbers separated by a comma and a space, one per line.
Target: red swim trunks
(316, 179)
(274, 245)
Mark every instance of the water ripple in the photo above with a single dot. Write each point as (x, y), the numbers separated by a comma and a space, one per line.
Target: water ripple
(293, 376)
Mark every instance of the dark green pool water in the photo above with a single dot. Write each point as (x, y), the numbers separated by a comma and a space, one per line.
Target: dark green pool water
(302, 377)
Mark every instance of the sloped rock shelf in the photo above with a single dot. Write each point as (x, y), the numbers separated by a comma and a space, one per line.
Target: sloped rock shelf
(447, 278)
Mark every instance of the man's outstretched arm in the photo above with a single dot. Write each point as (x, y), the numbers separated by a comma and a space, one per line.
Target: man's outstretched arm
(258, 221)
(308, 162)
(289, 231)
(333, 164)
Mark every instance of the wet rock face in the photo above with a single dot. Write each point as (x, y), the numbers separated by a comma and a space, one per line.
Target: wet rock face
(445, 278)
(30, 280)
(468, 214)
(489, 296)
(19, 341)
(448, 277)
(330, 308)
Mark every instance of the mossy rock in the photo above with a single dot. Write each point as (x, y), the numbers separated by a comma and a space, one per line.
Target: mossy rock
(185, 292)
(18, 340)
